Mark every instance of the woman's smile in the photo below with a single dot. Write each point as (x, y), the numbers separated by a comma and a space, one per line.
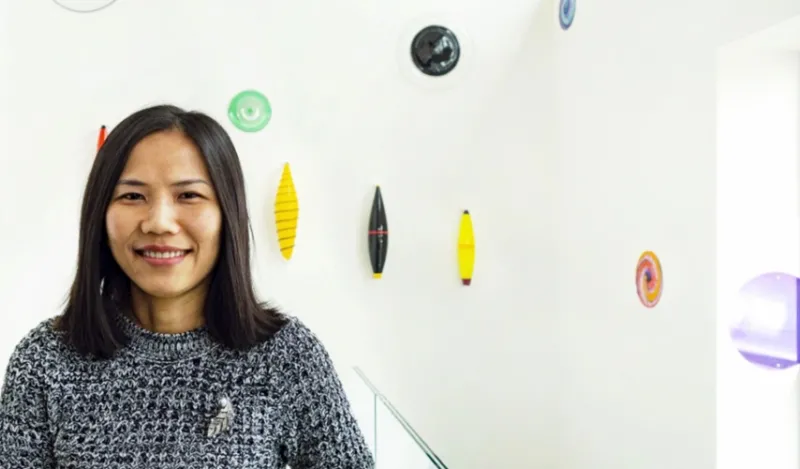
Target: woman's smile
(162, 255)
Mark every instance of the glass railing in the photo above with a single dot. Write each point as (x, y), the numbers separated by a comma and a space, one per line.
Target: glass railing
(393, 442)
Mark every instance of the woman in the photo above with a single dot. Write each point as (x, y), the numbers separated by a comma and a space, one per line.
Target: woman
(163, 357)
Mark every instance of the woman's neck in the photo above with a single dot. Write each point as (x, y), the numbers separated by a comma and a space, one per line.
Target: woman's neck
(169, 315)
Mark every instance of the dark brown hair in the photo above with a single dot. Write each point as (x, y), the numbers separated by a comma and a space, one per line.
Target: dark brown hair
(233, 314)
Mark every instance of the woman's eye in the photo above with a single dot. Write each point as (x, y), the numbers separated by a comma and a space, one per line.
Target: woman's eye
(189, 195)
(131, 196)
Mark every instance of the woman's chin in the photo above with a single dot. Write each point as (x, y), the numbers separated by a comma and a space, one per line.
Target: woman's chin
(162, 291)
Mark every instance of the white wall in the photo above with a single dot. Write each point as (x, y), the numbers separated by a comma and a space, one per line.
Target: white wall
(573, 151)
(637, 170)
(5, 92)
(758, 147)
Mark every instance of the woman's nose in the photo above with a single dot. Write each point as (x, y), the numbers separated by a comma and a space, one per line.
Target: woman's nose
(160, 219)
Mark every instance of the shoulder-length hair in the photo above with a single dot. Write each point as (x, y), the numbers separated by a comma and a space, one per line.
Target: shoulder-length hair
(233, 314)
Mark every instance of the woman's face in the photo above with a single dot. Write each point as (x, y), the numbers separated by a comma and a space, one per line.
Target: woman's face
(164, 221)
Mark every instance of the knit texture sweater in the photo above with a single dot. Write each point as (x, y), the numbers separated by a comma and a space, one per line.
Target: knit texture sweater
(169, 401)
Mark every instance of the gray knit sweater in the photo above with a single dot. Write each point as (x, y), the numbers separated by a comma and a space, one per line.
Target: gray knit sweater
(177, 401)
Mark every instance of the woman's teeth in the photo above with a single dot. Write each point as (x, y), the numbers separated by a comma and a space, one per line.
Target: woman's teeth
(163, 255)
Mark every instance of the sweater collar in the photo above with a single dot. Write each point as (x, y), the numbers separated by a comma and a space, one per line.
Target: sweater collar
(163, 346)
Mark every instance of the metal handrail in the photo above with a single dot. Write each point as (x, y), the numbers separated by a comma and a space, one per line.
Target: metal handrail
(399, 417)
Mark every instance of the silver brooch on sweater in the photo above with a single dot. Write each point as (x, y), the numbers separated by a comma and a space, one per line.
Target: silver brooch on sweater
(222, 421)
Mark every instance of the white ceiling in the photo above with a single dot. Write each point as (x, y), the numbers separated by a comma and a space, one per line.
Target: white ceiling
(784, 36)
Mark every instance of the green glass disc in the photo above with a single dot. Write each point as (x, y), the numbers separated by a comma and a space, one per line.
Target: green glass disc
(250, 111)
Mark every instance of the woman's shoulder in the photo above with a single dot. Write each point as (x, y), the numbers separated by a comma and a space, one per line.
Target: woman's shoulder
(42, 334)
(294, 333)
(295, 340)
(299, 360)
(40, 343)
